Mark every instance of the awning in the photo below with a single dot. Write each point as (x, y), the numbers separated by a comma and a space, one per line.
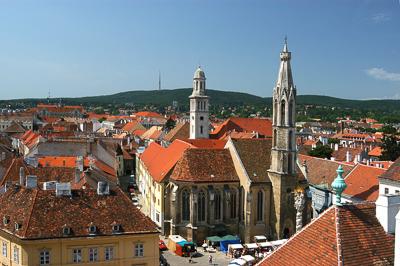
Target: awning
(214, 238)
(251, 246)
(260, 238)
(265, 244)
(248, 258)
(237, 262)
(236, 246)
(229, 237)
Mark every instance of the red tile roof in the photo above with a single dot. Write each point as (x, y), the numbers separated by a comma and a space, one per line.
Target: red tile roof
(376, 152)
(205, 165)
(207, 143)
(348, 235)
(180, 131)
(132, 126)
(340, 154)
(362, 182)
(148, 114)
(42, 215)
(160, 161)
(261, 126)
(60, 161)
(393, 173)
(321, 171)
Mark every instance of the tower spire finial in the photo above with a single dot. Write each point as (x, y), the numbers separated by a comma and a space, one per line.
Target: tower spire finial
(285, 49)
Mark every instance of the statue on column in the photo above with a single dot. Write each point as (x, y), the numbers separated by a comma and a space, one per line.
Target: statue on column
(299, 205)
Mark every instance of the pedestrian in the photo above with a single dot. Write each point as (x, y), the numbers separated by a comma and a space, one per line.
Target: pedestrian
(210, 258)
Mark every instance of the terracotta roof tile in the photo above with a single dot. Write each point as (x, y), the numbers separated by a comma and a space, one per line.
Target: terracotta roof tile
(60, 161)
(362, 240)
(261, 126)
(207, 143)
(376, 152)
(205, 165)
(180, 131)
(321, 171)
(393, 173)
(362, 182)
(340, 154)
(255, 155)
(148, 114)
(42, 214)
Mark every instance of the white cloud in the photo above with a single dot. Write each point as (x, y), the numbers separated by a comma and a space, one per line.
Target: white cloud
(380, 73)
(380, 17)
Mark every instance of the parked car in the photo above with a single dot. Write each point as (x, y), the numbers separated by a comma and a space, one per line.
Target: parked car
(162, 245)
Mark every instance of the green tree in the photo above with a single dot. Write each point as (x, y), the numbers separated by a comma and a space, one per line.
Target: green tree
(170, 124)
(321, 151)
(389, 130)
(390, 149)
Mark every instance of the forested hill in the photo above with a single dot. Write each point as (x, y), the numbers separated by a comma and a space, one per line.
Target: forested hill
(217, 97)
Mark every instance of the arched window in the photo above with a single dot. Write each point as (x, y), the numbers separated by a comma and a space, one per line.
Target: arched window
(201, 207)
(233, 204)
(217, 205)
(275, 111)
(290, 113)
(260, 205)
(185, 205)
(274, 138)
(290, 140)
(201, 129)
(283, 112)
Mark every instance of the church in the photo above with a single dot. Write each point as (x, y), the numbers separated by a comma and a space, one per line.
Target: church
(246, 186)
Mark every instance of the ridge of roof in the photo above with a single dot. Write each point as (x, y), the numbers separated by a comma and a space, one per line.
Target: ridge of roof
(28, 220)
(338, 236)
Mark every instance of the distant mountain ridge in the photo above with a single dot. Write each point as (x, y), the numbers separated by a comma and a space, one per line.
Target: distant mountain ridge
(217, 97)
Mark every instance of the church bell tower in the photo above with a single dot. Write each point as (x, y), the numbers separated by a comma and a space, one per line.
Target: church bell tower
(199, 120)
(283, 154)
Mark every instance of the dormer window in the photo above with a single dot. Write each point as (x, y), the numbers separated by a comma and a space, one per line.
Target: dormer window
(116, 228)
(92, 229)
(66, 230)
(6, 220)
(17, 226)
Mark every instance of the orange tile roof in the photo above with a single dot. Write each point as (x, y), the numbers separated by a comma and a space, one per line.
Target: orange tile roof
(132, 126)
(105, 167)
(347, 235)
(160, 161)
(382, 164)
(363, 183)
(261, 126)
(393, 173)
(60, 161)
(376, 152)
(207, 143)
(148, 114)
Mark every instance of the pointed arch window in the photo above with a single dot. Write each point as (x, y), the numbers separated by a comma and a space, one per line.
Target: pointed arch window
(290, 163)
(201, 207)
(275, 138)
(233, 204)
(275, 111)
(217, 205)
(283, 112)
(260, 205)
(290, 140)
(185, 205)
(290, 113)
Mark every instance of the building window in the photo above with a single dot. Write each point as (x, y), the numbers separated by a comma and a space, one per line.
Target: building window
(217, 205)
(274, 138)
(108, 253)
(201, 207)
(139, 250)
(16, 254)
(93, 254)
(201, 118)
(290, 113)
(260, 205)
(185, 205)
(275, 111)
(77, 255)
(290, 140)
(4, 250)
(397, 191)
(283, 109)
(233, 204)
(386, 190)
(201, 129)
(45, 257)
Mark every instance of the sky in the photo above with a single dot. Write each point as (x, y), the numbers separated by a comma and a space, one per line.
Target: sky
(341, 48)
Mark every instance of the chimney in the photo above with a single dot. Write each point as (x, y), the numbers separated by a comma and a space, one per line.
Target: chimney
(79, 163)
(333, 159)
(21, 176)
(336, 146)
(77, 175)
(387, 206)
(348, 157)
(103, 188)
(63, 189)
(369, 162)
(31, 181)
(397, 241)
